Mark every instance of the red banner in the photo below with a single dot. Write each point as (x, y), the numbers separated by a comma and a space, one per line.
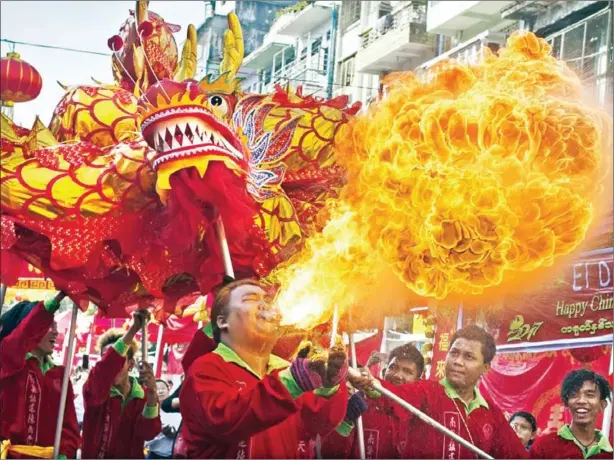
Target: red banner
(532, 381)
(577, 305)
(446, 327)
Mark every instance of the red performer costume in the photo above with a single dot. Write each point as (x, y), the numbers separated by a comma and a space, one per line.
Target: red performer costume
(30, 388)
(115, 425)
(231, 409)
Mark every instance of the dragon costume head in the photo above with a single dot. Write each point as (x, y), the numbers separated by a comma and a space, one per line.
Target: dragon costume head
(116, 199)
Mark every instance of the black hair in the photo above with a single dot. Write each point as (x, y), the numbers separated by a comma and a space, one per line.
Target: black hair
(165, 383)
(409, 353)
(575, 379)
(475, 333)
(527, 416)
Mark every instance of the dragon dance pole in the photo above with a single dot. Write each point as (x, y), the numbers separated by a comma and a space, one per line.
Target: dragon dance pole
(2, 296)
(425, 418)
(221, 238)
(144, 342)
(65, 380)
(359, 428)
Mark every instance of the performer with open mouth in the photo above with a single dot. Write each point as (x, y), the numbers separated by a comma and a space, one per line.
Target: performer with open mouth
(241, 401)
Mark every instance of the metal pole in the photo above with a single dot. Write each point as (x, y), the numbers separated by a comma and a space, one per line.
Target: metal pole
(221, 237)
(2, 296)
(359, 428)
(158, 348)
(144, 352)
(65, 381)
(429, 421)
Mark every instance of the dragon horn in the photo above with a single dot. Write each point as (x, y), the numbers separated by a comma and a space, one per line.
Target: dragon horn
(187, 66)
(141, 11)
(233, 48)
(64, 87)
(99, 83)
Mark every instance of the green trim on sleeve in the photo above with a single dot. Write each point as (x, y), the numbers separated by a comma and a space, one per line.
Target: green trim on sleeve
(51, 305)
(62, 457)
(286, 378)
(151, 412)
(208, 330)
(121, 347)
(326, 392)
(345, 429)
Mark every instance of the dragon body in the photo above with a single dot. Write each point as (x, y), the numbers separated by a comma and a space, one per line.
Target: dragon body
(115, 201)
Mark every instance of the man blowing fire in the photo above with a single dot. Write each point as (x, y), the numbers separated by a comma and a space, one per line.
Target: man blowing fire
(241, 401)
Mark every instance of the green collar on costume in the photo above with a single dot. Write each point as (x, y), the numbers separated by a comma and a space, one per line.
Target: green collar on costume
(228, 355)
(602, 444)
(45, 365)
(136, 392)
(478, 399)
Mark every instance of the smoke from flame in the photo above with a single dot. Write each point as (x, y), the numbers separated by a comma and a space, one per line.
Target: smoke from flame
(455, 184)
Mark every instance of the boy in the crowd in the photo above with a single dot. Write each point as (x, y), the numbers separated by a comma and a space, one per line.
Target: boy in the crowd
(120, 415)
(31, 384)
(585, 394)
(525, 426)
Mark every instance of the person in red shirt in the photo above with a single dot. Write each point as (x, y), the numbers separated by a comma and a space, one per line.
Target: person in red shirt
(120, 415)
(241, 401)
(31, 384)
(585, 394)
(456, 403)
(385, 436)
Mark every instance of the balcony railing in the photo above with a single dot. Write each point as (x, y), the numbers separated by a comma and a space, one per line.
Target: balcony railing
(412, 16)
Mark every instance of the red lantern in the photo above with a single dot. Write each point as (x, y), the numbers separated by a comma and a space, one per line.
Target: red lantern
(20, 81)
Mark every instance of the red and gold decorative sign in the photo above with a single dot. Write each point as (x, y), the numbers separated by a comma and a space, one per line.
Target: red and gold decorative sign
(577, 305)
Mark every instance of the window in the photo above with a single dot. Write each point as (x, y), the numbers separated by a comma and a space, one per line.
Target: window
(587, 49)
(350, 13)
(346, 71)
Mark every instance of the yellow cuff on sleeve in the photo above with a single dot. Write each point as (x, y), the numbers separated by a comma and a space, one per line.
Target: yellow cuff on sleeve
(121, 347)
(345, 429)
(51, 305)
(151, 412)
(288, 380)
(326, 392)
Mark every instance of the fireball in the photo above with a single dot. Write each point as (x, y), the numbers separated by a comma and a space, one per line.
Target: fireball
(456, 185)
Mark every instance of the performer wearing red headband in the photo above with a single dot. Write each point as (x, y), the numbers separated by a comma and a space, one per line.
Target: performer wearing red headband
(240, 401)
(31, 384)
(120, 415)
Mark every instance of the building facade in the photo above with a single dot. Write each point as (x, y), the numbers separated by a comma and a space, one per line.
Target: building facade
(296, 51)
(256, 18)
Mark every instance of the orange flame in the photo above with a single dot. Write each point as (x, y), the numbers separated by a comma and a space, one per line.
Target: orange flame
(456, 185)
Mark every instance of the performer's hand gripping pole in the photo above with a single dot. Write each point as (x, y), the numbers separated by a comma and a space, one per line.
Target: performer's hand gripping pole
(221, 238)
(422, 416)
(65, 381)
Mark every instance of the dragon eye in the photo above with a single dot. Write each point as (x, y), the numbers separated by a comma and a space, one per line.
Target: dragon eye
(218, 104)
